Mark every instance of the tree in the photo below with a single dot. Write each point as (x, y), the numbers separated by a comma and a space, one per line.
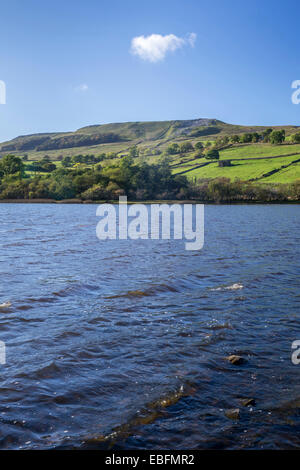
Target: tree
(127, 161)
(96, 192)
(235, 139)
(255, 137)
(173, 149)
(246, 138)
(186, 147)
(10, 165)
(212, 154)
(66, 162)
(266, 134)
(111, 155)
(77, 159)
(14, 190)
(199, 146)
(296, 189)
(277, 137)
(220, 189)
(295, 138)
(61, 189)
(48, 167)
(221, 141)
(134, 151)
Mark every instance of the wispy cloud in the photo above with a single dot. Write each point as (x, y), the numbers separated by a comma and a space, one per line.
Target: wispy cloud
(155, 47)
(82, 87)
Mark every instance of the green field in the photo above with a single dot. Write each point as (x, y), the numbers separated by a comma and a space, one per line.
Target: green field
(259, 150)
(247, 170)
(286, 175)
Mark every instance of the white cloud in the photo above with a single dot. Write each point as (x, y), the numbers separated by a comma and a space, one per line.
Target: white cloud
(192, 39)
(82, 87)
(155, 47)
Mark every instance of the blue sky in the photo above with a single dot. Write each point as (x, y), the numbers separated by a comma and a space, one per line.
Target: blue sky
(67, 64)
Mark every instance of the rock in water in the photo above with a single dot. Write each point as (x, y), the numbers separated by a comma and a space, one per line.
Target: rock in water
(248, 402)
(236, 360)
(233, 413)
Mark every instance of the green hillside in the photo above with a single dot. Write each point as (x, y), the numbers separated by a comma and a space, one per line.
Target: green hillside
(118, 137)
(251, 154)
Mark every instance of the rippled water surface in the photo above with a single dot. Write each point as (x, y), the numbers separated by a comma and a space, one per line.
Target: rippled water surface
(123, 343)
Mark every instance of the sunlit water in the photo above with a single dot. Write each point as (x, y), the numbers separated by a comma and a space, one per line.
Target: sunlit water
(123, 343)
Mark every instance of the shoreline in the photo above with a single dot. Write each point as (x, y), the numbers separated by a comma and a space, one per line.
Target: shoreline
(152, 201)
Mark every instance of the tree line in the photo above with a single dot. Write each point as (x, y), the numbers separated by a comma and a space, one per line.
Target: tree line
(138, 181)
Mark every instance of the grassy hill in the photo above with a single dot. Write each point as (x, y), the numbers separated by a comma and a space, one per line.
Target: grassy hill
(122, 135)
(260, 162)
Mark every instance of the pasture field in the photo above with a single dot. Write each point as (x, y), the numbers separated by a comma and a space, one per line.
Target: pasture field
(246, 170)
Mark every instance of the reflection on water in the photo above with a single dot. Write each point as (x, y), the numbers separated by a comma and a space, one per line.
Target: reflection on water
(123, 344)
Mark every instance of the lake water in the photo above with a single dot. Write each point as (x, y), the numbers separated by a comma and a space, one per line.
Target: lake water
(123, 343)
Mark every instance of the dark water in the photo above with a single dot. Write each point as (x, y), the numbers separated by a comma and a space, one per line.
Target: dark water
(122, 343)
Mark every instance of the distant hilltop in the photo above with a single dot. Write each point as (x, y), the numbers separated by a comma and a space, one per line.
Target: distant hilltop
(122, 135)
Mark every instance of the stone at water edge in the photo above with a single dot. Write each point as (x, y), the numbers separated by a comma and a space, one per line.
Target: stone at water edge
(236, 360)
(233, 413)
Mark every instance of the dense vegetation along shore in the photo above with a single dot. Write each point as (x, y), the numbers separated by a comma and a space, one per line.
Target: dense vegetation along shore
(211, 162)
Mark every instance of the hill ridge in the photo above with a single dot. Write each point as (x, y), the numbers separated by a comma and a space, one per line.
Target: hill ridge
(124, 134)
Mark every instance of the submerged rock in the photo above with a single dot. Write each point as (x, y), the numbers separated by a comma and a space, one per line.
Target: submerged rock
(233, 413)
(236, 360)
(248, 402)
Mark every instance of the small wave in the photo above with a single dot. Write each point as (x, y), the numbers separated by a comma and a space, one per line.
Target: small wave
(24, 307)
(234, 286)
(99, 320)
(10, 245)
(47, 371)
(53, 297)
(130, 293)
(67, 334)
(286, 406)
(74, 289)
(28, 320)
(40, 299)
(145, 293)
(163, 288)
